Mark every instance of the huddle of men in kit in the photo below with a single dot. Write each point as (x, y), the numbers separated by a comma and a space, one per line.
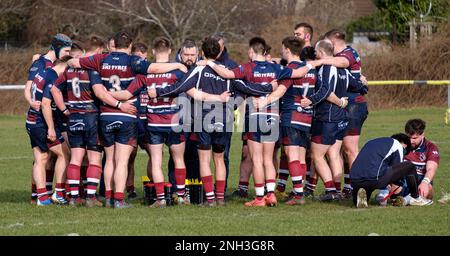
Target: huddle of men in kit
(84, 101)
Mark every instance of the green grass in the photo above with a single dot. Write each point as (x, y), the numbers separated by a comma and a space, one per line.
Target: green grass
(18, 217)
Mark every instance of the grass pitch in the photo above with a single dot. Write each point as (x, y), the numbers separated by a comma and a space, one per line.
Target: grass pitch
(19, 217)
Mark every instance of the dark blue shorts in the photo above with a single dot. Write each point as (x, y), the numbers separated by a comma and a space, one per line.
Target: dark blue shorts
(264, 129)
(294, 137)
(123, 132)
(326, 133)
(165, 137)
(215, 140)
(83, 131)
(142, 136)
(38, 138)
(357, 114)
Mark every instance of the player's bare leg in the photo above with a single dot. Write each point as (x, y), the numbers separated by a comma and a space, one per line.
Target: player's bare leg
(108, 175)
(122, 154)
(220, 175)
(204, 156)
(245, 171)
(270, 172)
(256, 154)
(318, 155)
(297, 169)
(350, 150)
(61, 152)
(40, 160)
(334, 160)
(156, 151)
(177, 151)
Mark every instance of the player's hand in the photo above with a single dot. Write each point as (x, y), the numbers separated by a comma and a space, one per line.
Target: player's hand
(51, 135)
(345, 102)
(225, 96)
(35, 57)
(364, 80)
(152, 92)
(128, 108)
(274, 84)
(202, 63)
(260, 102)
(305, 102)
(182, 68)
(36, 105)
(424, 190)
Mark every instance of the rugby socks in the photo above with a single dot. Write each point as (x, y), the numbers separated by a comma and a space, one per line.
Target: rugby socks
(93, 178)
(49, 180)
(42, 194)
(108, 194)
(33, 191)
(337, 185)
(329, 187)
(243, 186)
(180, 179)
(259, 191)
(209, 188)
(347, 182)
(311, 184)
(73, 178)
(60, 189)
(270, 186)
(118, 196)
(283, 173)
(297, 171)
(130, 189)
(220, 189)
(159, 188)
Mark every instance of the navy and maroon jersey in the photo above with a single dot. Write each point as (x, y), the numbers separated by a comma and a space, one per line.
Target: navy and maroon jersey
(115, 71)
(78, 90)
(426, 151)
(162, 112)
(40, 88)
(292, 114)
(337, 80)
(207, 80)
(355, 69)
(39, 65)
(262, 72)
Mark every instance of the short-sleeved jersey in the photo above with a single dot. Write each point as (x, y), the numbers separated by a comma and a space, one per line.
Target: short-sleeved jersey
(39, 65)
(162, 112)
(40, 88)
(292, 114)
(354, 68)
(427, 151)
(115, 71)
(262, 72)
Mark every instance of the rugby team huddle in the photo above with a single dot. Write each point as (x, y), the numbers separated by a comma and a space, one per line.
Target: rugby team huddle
(92, 103)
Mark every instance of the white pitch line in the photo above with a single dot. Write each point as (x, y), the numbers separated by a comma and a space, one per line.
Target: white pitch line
(15, 157)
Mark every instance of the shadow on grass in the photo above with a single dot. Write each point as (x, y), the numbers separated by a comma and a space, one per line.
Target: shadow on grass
(15, 196)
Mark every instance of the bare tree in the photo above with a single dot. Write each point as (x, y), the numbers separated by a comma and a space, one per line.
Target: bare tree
(176, 19)
(13, 6)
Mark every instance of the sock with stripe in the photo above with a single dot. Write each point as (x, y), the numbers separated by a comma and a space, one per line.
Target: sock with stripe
(220, 189)
(49, 173)
(270, 186)
(283, 173)
(259, 191)
(33, 191)
(60, 189)
(311, 184)
(159, 188)
(42, 194)
(329, 187)
(243, 186)
(118, 196)
(180, 180)
(337, 185)
(94, 173)
(347, 182)
(208, 186)
(297, 171)
(73, 178)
